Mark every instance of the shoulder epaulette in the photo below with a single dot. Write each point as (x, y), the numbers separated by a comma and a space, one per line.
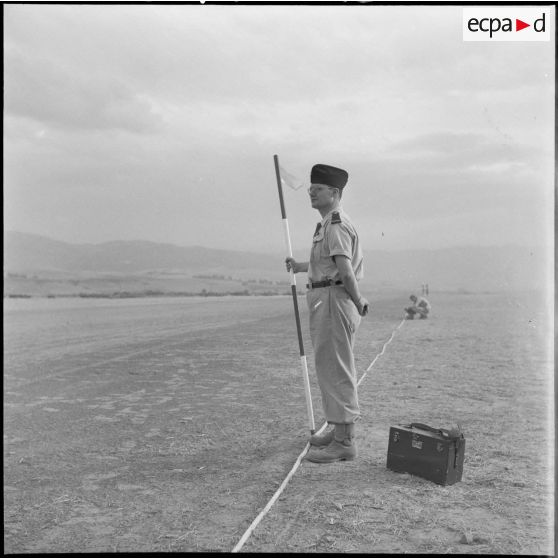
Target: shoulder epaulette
(335, 218)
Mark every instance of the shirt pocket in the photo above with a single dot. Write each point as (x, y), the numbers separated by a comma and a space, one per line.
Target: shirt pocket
(320, 236)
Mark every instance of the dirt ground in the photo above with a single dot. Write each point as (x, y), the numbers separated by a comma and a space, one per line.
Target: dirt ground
(166, 426)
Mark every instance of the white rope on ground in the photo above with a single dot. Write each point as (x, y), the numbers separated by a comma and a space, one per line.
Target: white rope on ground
(381, 352)
(278, 492)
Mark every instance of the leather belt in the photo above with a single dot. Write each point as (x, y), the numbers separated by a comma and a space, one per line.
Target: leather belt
(325, 283)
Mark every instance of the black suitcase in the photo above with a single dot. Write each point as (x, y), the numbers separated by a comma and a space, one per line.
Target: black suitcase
(435, 454)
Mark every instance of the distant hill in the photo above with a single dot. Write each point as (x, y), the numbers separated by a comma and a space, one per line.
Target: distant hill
(29, 252)
(464, 268)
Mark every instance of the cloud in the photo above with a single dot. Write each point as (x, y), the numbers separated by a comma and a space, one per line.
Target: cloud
(439, 142)
(41, 89)
(465, 151)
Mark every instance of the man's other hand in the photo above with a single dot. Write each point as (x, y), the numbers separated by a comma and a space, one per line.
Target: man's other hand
(362, 306)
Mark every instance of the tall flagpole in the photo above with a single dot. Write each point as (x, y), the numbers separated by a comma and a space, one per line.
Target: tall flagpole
(303, 363)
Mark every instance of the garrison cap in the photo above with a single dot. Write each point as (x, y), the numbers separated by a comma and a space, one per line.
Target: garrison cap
(328, 175)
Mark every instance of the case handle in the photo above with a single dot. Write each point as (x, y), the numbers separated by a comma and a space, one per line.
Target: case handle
(442, 431)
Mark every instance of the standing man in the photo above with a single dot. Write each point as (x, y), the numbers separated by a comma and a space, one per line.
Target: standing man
(336, 306)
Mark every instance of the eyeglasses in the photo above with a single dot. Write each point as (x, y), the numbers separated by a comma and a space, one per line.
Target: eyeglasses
(315, 189)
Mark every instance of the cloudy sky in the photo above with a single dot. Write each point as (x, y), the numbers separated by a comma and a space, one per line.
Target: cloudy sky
(160, 122)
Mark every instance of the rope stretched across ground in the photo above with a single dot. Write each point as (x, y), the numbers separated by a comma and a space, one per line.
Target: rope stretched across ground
(297, 463)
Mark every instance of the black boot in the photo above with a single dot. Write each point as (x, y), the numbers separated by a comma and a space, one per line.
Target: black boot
(341, 448)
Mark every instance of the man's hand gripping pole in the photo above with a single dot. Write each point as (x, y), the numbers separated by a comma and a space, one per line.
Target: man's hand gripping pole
(304, 364)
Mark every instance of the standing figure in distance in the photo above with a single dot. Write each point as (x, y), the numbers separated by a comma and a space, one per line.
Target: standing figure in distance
(336, 306)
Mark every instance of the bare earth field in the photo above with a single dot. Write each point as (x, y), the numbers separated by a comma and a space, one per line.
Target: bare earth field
(166, 425)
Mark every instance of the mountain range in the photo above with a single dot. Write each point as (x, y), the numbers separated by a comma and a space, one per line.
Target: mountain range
(469, 268)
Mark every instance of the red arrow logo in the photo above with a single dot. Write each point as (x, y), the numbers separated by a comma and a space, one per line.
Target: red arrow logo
(519, 25)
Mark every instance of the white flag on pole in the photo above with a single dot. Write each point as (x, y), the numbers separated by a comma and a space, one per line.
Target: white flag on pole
(288, 179)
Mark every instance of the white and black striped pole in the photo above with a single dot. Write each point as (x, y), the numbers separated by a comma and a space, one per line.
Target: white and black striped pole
(303, 362)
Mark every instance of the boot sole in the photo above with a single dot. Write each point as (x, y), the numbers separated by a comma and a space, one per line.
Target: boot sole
(315, 460)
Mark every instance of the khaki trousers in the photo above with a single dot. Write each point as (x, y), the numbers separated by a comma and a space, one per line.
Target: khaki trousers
(334, 321)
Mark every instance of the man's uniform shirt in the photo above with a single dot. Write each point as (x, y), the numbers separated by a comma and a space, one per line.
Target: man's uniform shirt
(334, 236)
